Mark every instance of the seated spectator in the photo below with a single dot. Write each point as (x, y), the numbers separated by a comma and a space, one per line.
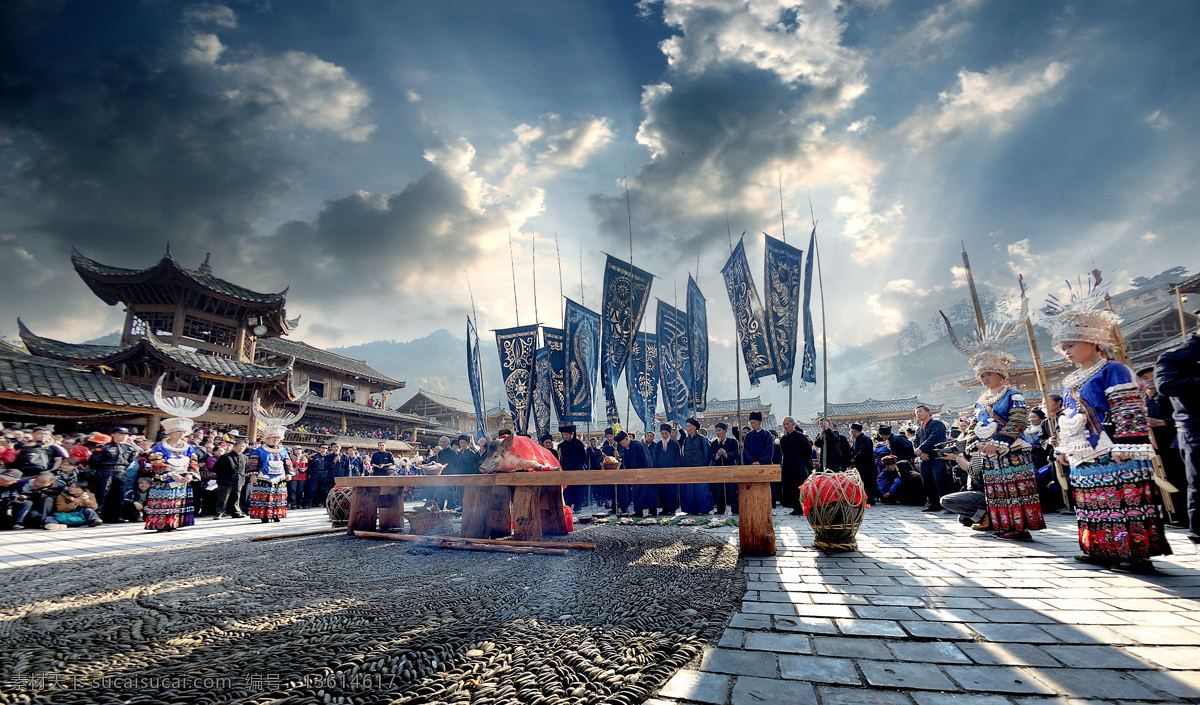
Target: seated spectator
(11, 499)
(74, 507)
(134, 506)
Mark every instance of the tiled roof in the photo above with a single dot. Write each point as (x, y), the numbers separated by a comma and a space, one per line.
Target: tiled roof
(91, 270)
(205, 365)
(1150, 355)
(306, 353)
(729, 406)
(39, 377)
(458, 405)
(871, 407)
(338, 405)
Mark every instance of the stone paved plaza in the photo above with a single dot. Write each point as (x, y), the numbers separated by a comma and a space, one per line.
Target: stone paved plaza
(926, 612)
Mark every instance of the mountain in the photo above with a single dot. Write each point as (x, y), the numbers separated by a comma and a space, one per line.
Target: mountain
(436, 363)
(113, 338)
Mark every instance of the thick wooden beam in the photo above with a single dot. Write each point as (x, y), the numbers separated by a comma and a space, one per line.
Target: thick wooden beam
(494, 542)
(391, 508)
(364, 509)
(648, 476)
(756, 534)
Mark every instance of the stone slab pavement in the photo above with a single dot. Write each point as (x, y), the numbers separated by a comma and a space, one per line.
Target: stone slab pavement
(929, 612)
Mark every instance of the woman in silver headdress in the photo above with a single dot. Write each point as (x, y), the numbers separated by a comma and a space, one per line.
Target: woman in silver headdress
(1009, 478)
(1104, 435)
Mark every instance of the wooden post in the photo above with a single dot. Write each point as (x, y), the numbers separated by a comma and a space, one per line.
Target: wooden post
(756, 534)
(391, 508)
(1183, 328)
(550, 505)
(486, 512)
(527, 516)
(364, 507)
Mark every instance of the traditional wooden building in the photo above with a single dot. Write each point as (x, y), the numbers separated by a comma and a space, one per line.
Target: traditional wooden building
(450, 416)
(726, 411)
(203, 332)
(872, 413)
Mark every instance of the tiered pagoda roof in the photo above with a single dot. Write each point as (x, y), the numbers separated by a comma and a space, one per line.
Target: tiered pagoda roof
(168, 283)
(208, 366)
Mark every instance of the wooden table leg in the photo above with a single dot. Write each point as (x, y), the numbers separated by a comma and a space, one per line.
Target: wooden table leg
(554, 518)
(755, 531)
(527, 515)
(486, 512)
(364, 508)
(391, 508)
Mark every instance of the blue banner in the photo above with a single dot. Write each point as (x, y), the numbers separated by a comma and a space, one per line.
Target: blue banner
(674, 361)
(808, 368)
(643, 377)
(626, 291)
(697, 324)
(555, 340)
(543, 380)
(517, 348)
(582, 355)
(782, 263)
(475, 378)
(748, 315)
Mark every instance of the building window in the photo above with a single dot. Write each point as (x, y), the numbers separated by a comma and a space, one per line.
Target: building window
(209, 332)
(315, 388)
(349, 393)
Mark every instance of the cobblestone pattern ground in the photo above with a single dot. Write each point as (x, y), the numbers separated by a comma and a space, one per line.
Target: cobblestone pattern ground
(928, 612)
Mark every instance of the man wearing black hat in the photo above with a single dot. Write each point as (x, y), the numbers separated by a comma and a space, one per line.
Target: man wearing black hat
(109, 461)
(667, 454)
(758, 448)
(863, 459)
(724, 451)
(634, 456)
(830, 443)
(572, 455)
(695, 498)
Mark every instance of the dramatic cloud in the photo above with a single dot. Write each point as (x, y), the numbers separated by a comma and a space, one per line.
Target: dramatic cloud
(219, 15)
(991, 100)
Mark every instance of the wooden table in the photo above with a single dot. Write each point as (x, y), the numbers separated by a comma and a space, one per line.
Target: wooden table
(533, 505)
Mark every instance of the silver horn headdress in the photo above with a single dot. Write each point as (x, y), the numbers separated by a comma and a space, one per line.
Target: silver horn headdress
(985, 348)
(181, 409)
(1083, 317)
(276, 425)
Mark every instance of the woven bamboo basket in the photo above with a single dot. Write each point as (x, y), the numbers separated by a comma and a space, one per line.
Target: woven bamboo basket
(834, 504)
(337, 505)
(433, 468)
(430, 520)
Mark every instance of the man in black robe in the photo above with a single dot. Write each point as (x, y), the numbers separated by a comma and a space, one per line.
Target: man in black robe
(795, 464)
(724, 451)
(572, 455)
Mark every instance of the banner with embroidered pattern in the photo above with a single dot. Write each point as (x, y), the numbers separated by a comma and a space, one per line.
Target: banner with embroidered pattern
(626, 291)
(475, 377)
(541, 392)
(518, 347)
(782, 293)
(697, 324)
(555, 340)
(582, 356)
(808, 368)
(748, 315)
(674, 361)
(643, 377)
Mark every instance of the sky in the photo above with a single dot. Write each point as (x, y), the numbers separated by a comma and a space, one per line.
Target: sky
(375, 157)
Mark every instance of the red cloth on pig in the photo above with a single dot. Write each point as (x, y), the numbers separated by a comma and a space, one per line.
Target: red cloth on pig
(525, 447)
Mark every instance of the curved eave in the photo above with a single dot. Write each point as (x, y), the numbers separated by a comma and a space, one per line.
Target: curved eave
(69, 352)
(184, 359)
(105, 281)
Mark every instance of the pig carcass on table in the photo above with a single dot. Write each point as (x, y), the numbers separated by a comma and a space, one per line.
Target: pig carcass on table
(523, 454)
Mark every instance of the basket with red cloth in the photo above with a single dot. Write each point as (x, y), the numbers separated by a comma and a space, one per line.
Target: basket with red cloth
(834, 504)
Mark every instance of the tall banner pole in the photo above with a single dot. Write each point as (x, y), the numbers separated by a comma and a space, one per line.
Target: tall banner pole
(1183, 327)
(737, 363)
(482, 386)
(974, 293)
(1044, 387)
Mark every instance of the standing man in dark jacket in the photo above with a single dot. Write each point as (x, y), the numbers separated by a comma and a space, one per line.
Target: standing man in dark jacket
(695, 498)
(666, 453)
(934, 476)
(573, 455)
(634, 456)
(231, 471)
(1177, 374)
(336, 464)
(795, 464)
(758, 447)
(863, 459)
(724, 451)
(109, 461)
(830, 443)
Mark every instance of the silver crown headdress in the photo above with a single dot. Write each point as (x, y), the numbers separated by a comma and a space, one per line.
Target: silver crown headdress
(1082, 318)
(985, 348)
(182, 409)
(276, 425)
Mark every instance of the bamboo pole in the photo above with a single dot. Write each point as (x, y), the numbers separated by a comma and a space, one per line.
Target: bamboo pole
(737, 363)
(974, 293)
(1183, 327)
(292, 534)
(451, 543)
